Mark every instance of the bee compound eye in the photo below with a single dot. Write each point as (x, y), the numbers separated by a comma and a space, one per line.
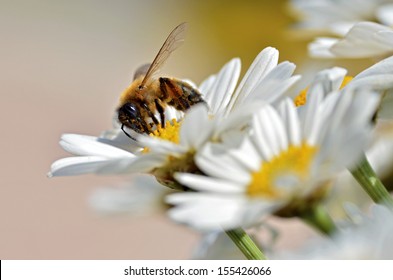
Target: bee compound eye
(131, 110)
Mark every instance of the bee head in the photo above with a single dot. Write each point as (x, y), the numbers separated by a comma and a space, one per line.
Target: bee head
(130, 116)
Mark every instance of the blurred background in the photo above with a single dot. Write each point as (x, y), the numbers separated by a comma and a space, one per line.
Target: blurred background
(62, 67)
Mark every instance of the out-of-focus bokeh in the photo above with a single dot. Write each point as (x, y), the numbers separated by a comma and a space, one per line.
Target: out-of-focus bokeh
(62, 66)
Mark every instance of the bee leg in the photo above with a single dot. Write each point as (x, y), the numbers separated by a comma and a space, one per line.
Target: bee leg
(149, 112)
(161, 111)
(126, 133)
(145, 128)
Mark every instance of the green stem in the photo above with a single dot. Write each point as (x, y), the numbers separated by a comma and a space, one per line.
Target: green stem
(244, 242)
(320, 219)
(370, 182)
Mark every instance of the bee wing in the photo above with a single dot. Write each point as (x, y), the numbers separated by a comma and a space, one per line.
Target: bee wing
(174, 40)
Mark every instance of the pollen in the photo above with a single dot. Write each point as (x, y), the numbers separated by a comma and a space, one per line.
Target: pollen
(295, 162)
(301, 98)
(346, 81)
(170, 132)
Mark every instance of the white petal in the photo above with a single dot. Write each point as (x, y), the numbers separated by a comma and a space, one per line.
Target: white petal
(161, 146)
(269, 137)
(282, 71)
(141, 164)
(143, 196)
(308, 118)
(215, 161)
(341, 28)
(212, 212)
(265, 61)
(246, 155)
(196, 128)
(291, 119)
(89, 146)
(321, 47)
(329, 80)
(208, 184)
(206, 86)
(270, 91)
(361, 41)
(386, 38)
(376, 82)
(216, 245)
(341, 106)
(278, 135)
(238, 118)
(258, 137)
(324, 12)
(78, 165)
(383, 67)
(347, 129)
(204, 212)
(117, 138)
(384, 14)
(223, 87)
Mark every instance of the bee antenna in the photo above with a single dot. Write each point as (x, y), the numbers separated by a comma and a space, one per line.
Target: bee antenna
(126, 133)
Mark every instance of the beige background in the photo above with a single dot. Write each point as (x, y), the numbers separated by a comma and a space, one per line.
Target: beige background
(62, 66)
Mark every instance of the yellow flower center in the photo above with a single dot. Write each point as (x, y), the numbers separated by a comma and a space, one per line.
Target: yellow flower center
(301, 98)
(292, 163)
(170, 132)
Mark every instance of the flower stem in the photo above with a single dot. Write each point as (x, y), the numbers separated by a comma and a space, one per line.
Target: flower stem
(244, 242)
(320, 219)
(370, 182)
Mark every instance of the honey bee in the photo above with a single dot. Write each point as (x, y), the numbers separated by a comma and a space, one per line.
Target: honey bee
(142, 104)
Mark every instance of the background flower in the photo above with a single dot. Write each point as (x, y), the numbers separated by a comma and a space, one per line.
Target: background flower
(368, 239)
(364, 39)
(217, 245)
(338, 17)
(143, 195)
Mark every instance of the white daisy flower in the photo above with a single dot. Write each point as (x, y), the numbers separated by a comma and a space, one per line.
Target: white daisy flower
(172, 148)
(380, 156)
(378, 77)
(364, 39)
(337, 17)
(370, 239)
(288, 156)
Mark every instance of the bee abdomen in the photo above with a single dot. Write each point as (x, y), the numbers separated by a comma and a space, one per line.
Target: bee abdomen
(179, 94)
(192, 94)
